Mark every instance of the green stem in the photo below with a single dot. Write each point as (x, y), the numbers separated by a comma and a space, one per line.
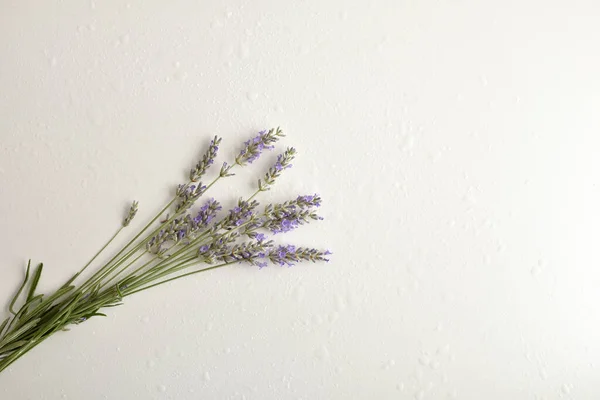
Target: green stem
(179, 277)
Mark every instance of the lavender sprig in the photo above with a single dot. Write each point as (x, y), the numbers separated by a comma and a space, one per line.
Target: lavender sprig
(207, 160)
(189, 242)
(131, 214)
(254, 147)
(284, 161)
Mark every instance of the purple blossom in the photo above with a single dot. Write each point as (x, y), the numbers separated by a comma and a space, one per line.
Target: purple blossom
(283, 162)
(309, 201)
(207, 213)
(207, 160)
(260, 237)
(254, 147)
(241, 213)
(288, 255)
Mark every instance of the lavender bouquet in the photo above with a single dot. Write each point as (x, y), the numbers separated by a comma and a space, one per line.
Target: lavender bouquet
(176, 243)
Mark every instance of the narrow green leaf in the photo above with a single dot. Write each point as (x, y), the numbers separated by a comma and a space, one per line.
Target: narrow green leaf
(14, 300)
(68, 283)
(29, 304)
(13, 346)
(36, 280)
(119, 290)
(112, 305)
(14, 335)
(4, 325)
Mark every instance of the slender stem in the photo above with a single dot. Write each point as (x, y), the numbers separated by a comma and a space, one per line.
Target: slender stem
(90, 282)
(110, 279)
(178, 277)
(101, 250)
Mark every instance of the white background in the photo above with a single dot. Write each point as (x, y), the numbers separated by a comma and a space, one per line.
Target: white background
(455, 144)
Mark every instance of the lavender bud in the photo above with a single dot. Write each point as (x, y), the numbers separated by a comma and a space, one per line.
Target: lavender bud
(207, 160)
(131, 214)
(254, 147)
(283, 162)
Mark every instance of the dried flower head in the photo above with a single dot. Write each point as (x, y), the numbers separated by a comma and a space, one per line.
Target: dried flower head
(207, 160)
(131, 214)
(254, 147)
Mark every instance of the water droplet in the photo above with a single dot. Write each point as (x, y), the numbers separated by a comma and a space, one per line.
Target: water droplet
(424, 360)
(151, 364)
(209, 326)
(180, 76)
(333, 317)
(227, 350)
(420, 395)
(408, 143)
(435, 365)
(566, 389)
(206, 376)
(53, 62)
(543, 374)
(145, 319)
(162, 388)
(400, 387)
(217, 23)
(252, 96)
(322, 353)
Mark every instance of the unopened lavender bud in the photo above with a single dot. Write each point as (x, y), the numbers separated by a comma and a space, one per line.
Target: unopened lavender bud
(131, 214)
(207, 160)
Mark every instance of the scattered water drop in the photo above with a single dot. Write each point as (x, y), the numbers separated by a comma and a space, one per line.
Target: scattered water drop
(162, 388)
(322, 353)
(206, 376)
(151, 364)
(252, 96)
(400, 387)
(424, 360)
(420, 395)
(435, 364)
(145, 319)
(566, 389)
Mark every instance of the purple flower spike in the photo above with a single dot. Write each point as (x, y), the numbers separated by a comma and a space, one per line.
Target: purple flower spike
(254, 147)
(207, 160)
